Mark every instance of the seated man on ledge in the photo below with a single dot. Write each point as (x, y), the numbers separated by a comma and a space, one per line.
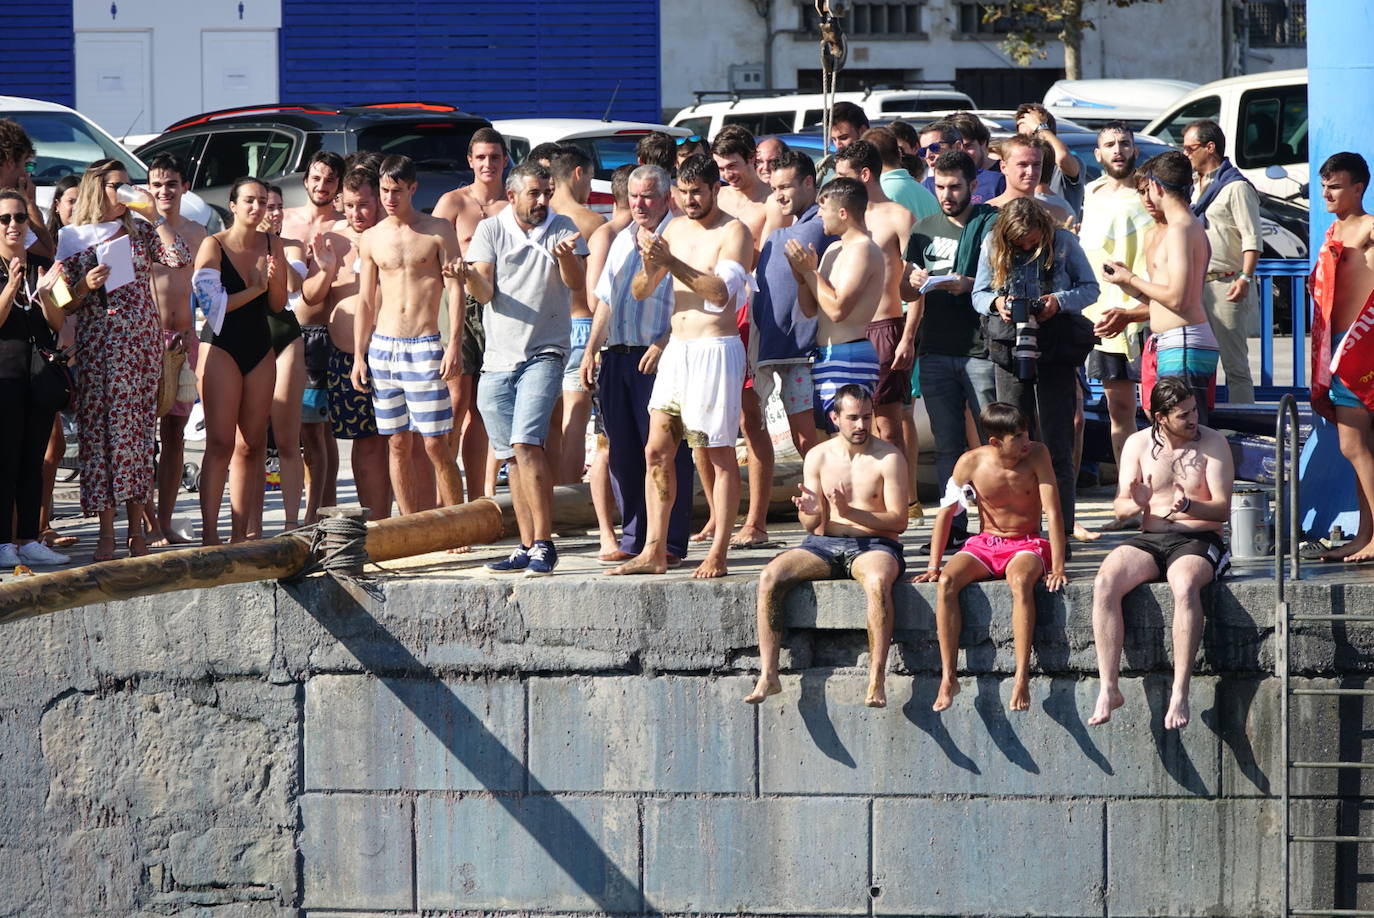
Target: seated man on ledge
(853, 507)
(1177, 475)
(1012, 480)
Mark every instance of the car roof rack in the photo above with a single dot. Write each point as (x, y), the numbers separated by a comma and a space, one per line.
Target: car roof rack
(302, 108)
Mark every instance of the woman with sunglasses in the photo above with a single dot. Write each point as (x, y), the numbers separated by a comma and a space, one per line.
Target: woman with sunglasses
(29, 319)
(119, 344)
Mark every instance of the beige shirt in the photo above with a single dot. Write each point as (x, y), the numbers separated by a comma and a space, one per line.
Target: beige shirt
(1233, 225)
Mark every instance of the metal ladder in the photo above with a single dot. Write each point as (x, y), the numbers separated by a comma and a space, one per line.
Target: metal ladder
(1286, 501)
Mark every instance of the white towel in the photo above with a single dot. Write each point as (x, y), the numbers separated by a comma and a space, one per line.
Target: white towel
(965, 497)
(739, 283)
(208, 288)
(535, 237)
(77, 238)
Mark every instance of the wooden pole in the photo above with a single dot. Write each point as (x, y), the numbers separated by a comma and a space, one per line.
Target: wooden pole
(474, 523)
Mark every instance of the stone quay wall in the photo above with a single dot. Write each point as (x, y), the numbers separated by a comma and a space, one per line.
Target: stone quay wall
(439, 745)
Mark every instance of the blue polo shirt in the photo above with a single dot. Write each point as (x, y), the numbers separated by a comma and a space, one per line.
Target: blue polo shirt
(784, 335)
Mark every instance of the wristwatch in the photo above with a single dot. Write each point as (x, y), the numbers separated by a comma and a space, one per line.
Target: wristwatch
(159, 221)
(1248, 278)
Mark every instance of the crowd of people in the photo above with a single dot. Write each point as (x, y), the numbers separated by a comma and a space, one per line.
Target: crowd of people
(986, 278)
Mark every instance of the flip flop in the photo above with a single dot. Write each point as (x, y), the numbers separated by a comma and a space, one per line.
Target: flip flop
(765, 543)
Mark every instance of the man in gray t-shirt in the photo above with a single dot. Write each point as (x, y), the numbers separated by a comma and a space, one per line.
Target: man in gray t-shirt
(523, 265)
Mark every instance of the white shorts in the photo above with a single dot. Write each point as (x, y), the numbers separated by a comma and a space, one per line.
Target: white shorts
(699, 380)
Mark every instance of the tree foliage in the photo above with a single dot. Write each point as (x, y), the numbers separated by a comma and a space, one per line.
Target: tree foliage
(1028, 23)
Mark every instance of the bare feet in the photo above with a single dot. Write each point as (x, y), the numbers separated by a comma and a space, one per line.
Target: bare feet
(945, 697)
(1020, 694)
(613, 556)
(877, 693)
(458, 550)
(1356, 544)
(1115, 525)
(710, 568)
(767, 685)
(1361, 556)
(1176, 718)
(707, 533)
(51, 539)
(750, 537)
(160, 541)
(1084, 534)
(643, 563)
(104, 547)
(138, 546)
(1108, 700)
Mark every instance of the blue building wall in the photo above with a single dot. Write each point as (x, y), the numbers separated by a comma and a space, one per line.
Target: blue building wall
(518, 58)
(39, 59)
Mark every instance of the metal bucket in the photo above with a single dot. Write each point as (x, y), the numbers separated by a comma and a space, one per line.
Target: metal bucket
(1251, 525)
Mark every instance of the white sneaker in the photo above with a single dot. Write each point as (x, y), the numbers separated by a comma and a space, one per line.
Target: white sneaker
(9, 555)
(36, 554)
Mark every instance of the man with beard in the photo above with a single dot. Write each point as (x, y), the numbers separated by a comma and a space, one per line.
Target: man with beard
(701, 372)
(466, 207)
(335, 283)
(1114, 228)
(1176, 475)
(784, 337)
(524, 265)
(323, 178)
(853, 507)
(396, 342)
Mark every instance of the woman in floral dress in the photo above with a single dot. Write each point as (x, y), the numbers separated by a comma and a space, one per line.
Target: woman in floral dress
(119, 352)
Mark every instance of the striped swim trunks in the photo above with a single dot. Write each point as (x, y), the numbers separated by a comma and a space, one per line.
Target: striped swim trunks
(407, 392)
(839, 365)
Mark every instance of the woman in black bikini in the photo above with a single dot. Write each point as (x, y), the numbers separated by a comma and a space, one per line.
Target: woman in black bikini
(237, 365)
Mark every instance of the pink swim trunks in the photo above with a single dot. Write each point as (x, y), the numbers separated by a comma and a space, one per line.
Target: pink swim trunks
(995, 552)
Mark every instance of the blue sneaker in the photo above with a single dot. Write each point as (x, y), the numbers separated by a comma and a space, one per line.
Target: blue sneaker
(519, 560)
(543, 558)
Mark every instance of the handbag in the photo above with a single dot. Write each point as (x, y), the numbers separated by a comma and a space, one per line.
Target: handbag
(173, 359)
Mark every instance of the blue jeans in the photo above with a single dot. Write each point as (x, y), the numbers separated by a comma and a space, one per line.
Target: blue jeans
(948, 383)
(516, 404)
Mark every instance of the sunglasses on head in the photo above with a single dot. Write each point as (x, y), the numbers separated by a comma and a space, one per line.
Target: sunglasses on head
(695, 138)
(20, 218)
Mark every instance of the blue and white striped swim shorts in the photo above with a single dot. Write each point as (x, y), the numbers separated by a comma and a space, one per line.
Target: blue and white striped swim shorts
(407, 392)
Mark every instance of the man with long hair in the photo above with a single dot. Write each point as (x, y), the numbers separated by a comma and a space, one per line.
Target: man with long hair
(1176, 475)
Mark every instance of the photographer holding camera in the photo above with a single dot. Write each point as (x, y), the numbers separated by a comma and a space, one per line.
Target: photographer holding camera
(1033, 282)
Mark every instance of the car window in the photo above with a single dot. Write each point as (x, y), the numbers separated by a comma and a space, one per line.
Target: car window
(431, 144)
(760, 123)
(234, 154)
(608, 153)
(519, 148)
(698, 126)
(924, 104)
(183, 147)
(813, 117)
(64, 144)
(1171, 129)
(1272, 128)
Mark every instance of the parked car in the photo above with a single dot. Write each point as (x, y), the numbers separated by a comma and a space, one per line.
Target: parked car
(1093, 103)
(275, 143)
(1264, 118)
(65, 142)
(610, 144)
(785, 114)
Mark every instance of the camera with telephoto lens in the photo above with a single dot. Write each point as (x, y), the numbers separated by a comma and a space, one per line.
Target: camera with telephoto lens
(1024, 302)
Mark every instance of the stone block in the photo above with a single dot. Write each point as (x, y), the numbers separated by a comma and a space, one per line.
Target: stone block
(818, 737)
(1245, 716)
(536, 853)
(1327, 728)
(366, 733)
(938, 857)
(634, 733)
(356, 851)
(1192, 857)
(729, 854)
(222, 856)
(1325, 875)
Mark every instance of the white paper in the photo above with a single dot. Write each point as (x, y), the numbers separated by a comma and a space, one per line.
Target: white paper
(940, 280)
(118, 254)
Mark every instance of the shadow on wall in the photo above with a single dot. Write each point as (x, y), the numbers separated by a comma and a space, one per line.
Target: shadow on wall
(556, 830)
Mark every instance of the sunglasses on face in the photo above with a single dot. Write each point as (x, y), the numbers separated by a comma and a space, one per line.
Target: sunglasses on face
(20, 218)
(932, 149)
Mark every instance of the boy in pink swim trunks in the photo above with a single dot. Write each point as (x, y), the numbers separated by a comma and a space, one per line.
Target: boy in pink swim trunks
(1012, 482)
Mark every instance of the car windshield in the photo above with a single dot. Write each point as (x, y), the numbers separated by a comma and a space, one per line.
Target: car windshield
(609, 153)
(431, 144)
(64, 144)
(1082, 146)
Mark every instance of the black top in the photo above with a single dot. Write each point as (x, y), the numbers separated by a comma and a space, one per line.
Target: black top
(25, 320)
(244, 333)
(949, 324)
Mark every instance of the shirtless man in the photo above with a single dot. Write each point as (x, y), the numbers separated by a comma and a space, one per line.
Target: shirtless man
(892, 333)
(323, 178)
(1343, 291)
(172, 293)
(572, 187)
(701, 370)
(842, 290)
(1012, 481)
(853, 508)
(745, 198)
(1177, 476)
(333, 281)
(1021, 164)
(1181, 342)
(466, 207)
(396, 341)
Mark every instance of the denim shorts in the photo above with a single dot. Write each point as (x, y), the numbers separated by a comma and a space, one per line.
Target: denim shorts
(572, 371)
(516, 404)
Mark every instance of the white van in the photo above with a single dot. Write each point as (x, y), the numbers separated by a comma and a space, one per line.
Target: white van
(792, 113)
(1093, 103)
(1264, 118)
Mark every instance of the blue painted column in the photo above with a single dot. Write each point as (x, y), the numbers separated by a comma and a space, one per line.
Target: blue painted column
(1340, 91)
(1340, 100)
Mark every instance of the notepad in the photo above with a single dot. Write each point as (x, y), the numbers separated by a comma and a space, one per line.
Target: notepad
(935, 281)
(118, 255)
